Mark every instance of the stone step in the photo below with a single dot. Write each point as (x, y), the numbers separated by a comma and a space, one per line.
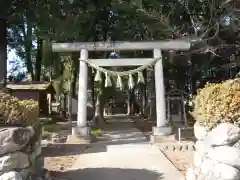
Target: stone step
(175, 146)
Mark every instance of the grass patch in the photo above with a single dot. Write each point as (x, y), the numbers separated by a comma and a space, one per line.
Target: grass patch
(52, 128)
(46, 135)
(96, 132)
(46, 120)
(49, 127)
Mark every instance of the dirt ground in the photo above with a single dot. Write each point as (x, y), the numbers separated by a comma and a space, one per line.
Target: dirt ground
(181, 159)
(61, 155)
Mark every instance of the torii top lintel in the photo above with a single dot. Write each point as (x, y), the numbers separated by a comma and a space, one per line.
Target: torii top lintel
(122, 45)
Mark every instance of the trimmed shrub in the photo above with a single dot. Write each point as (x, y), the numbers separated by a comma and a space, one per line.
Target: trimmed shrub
(218, 103)
(30, 111)
(14, 111)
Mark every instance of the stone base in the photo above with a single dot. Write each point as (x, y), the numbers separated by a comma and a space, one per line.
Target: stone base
(162, 131)
(161, 139)
(73, 139)
(158, 132)
(82, 133)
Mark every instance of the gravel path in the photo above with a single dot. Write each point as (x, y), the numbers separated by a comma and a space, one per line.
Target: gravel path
(122, 153)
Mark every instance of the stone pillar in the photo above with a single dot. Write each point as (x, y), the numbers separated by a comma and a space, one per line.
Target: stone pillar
(82, 128)
(162, 128)
(49, 99)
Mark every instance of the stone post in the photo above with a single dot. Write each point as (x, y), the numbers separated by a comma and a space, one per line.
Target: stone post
(162, 128)
(82, 128)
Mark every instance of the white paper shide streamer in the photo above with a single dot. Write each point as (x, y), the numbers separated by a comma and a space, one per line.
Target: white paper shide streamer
(108, 82)
(119, 82)
(119, 75)
(98, 77)
(140, 78)
(130, 82)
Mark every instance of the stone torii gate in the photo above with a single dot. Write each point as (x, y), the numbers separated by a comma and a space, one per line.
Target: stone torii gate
(157, 46)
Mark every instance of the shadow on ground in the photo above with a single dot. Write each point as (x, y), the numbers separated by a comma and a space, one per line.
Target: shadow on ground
(54, 150)
(110, 139)
(116, 133)
(108, 174)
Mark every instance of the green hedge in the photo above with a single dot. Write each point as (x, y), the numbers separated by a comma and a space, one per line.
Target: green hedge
(14, 111)
(218, 103)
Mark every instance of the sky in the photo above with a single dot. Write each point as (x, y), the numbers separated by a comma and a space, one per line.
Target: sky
(14, 60)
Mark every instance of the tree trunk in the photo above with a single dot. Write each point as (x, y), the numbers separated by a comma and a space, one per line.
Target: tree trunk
(70, 93)
(92, 89)
(193, 78)
(100, 101)
(58, 71)
(151, 94)
(64, 104)
(144, 94)
(142, 99)
(129, 103)
(28, 49)
(57, 86)
(75, 72)
(71, 86)
(98, 118)
(38, 64)
(132, 103)
(3, 52)
(101, 105)
(75, 76)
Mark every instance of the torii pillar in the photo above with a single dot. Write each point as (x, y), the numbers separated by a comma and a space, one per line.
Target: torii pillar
(162, 128)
